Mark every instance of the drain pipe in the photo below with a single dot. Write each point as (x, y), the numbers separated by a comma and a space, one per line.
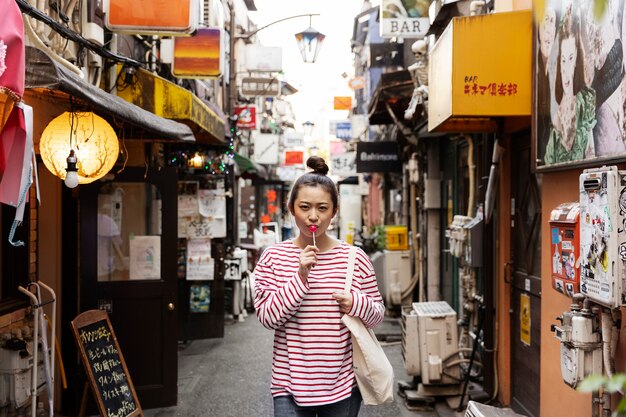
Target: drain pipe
(417, 278)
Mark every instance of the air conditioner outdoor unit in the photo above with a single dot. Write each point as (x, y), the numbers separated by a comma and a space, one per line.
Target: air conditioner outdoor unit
(429, 340)
(475, 409)
(393, 273)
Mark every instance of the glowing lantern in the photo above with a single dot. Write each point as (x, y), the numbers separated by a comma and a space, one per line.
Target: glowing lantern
(89, 136)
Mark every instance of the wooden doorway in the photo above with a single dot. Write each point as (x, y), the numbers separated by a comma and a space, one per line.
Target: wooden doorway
(525, 280)
(128, 267)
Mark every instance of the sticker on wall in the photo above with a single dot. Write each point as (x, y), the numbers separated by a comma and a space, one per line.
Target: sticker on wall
(524, 318)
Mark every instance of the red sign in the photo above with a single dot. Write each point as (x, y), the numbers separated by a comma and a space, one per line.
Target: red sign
(246, 117)
(294, 158)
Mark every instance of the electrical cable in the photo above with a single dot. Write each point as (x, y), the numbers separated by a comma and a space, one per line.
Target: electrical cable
(73, 36)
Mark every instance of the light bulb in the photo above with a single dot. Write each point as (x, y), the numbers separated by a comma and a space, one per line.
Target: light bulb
(71, 179)
(71, 176)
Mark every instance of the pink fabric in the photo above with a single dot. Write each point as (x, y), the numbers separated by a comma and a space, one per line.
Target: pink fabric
(12, 52)
(13, 146)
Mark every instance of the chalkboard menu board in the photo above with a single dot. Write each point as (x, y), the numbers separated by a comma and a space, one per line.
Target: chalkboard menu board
(105, 366)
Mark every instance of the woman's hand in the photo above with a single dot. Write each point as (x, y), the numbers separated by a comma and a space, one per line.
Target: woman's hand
(308, 259)
(344, 300)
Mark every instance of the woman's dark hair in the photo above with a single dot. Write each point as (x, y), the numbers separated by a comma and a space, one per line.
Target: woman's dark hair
(313, 179)
(569, 28)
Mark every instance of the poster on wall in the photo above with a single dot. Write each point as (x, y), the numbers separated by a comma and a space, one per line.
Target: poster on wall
(580, 85)
(187, 198)
(145, 257)
(199, 298)
(200, 265)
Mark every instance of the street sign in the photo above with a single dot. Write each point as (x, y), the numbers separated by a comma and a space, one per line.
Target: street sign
(257, 86)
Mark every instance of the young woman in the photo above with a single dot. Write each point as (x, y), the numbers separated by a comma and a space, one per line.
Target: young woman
(299, 293)
(571, 137)
(546, 64)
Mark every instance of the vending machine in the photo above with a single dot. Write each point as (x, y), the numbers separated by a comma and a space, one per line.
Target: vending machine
(603, 235)
(564, 248)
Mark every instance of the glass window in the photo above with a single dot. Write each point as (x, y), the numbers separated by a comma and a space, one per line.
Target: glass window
(129, 232)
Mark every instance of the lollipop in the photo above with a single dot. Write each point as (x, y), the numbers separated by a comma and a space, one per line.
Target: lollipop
(313, 229)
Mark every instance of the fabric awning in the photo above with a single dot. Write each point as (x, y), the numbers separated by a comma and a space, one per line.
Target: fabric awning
(45, 75)
(168, 100)
(394, 89)
(246, 165)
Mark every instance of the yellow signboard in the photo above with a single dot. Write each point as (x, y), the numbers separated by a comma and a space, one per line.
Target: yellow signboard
(524, 319)
(481, 66)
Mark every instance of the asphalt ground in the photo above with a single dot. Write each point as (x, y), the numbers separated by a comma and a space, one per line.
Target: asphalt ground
(230, 377)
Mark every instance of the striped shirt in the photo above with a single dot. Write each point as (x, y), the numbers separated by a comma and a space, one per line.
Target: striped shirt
(312, 348)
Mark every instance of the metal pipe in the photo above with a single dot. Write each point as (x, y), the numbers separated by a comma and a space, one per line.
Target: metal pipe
(33, 390)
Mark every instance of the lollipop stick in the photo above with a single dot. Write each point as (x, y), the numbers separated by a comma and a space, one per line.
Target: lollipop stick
(314, 239)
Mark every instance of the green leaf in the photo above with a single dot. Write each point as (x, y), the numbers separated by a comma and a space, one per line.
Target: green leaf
(616, 383)
(599, 7)
(592, 383)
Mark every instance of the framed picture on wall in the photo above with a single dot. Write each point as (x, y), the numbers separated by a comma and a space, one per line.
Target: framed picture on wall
(580, 85)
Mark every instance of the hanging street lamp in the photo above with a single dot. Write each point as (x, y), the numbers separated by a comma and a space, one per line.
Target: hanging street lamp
(309, 43)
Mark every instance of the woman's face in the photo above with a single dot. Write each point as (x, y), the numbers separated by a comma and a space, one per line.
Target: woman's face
(568, 63)
(547, 31)
(313, 206)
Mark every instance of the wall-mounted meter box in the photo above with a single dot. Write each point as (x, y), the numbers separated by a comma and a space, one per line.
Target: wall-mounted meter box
(602, 235)
(565, 248)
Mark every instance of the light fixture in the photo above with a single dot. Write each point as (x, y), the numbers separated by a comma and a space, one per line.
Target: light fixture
(197, 161)
(87, 138)
(71, 176)
(308, 127)
(310, 42)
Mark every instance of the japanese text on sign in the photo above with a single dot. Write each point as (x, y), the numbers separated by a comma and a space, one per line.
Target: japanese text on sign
(495, 89)
(105, 365)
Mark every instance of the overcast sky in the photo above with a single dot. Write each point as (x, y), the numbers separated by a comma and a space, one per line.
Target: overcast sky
(317, 83)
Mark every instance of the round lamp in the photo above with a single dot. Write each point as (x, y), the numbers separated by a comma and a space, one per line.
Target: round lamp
(81, 144)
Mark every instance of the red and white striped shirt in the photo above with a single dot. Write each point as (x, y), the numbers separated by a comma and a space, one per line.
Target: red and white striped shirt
(312, 348)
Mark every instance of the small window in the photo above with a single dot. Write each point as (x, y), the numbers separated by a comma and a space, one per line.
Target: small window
(129, 232)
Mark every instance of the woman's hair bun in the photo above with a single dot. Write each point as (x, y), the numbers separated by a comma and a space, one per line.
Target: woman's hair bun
(317, 164)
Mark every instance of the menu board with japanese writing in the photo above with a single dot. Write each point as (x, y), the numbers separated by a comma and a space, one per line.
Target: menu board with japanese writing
(105, 366)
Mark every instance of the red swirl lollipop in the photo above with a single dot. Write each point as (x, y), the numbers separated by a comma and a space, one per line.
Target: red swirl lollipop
(313, 229)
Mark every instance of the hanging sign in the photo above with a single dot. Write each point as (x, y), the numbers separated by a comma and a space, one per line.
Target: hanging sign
(404, 18)
(377, 157)
(246, 117)
(294, 157)
(198, 56)
(342, 103)
(180, 16)
(260, 87)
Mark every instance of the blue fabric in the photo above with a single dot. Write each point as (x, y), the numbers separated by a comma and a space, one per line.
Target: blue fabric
(284, 406)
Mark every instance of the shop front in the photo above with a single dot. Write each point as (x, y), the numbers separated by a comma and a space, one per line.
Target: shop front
(112, 244)
(480, 97)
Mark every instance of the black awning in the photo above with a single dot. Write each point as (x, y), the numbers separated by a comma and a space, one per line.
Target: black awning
(45, 74)
(394, 89)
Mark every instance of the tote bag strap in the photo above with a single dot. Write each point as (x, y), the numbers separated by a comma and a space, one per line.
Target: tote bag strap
(350, 272)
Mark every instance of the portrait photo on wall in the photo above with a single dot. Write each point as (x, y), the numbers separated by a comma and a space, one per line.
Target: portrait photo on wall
(580, 86)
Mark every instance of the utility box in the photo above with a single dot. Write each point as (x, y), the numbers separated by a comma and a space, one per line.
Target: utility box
(393, 273)
(602, 235)
(429, 338)
(564, 248)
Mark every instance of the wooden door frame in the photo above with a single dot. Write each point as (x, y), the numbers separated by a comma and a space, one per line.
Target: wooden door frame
(82, 212)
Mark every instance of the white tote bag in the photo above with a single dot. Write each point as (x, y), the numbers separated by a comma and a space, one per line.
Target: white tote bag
(373, 372)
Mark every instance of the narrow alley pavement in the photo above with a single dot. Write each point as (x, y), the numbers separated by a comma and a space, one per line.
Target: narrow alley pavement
(230, 377)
